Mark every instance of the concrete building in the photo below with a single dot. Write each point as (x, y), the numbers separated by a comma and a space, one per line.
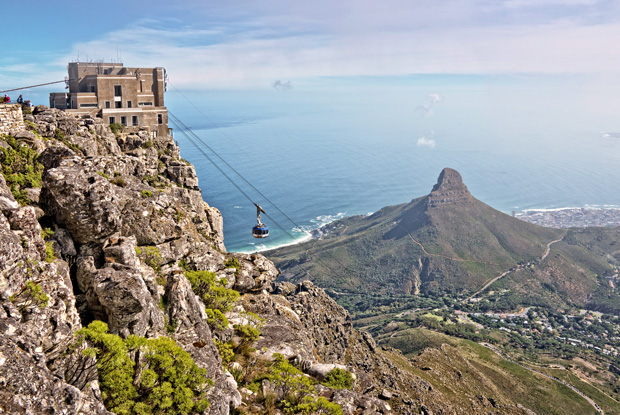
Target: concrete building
(130, 96)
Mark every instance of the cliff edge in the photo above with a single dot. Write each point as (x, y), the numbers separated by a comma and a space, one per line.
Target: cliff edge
(109, 254)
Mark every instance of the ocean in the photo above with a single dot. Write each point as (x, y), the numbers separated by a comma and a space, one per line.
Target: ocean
(331, 148)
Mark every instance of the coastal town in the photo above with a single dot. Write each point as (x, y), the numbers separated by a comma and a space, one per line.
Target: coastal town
(571, 217)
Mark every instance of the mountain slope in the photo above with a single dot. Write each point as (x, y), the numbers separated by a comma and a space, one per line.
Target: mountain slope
(446, 241)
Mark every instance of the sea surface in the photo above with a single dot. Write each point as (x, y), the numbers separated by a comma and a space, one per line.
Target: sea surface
(324, 150)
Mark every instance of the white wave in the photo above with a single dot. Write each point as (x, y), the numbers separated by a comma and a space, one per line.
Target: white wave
(263, 247)
(304, 233)
(549, 209)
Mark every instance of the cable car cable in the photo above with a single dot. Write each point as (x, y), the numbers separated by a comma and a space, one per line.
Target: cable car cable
(179, 123)
(186, 131)
(32, 86)
(225, 162)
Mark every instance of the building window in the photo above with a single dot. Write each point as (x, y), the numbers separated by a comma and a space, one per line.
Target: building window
(88, 105)
(145, 104)
(134, 120)
(107, 104)
(92, 88)
(160, 119)
(118, 104)
(124, 120)
(112, 120)
(118, 90)
(129, 104)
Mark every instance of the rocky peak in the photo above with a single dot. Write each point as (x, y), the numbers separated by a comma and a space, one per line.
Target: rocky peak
(449, 190)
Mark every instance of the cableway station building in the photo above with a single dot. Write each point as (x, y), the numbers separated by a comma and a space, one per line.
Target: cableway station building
(133, 97)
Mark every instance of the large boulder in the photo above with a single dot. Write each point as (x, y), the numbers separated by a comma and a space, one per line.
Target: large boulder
(82, 200)
(118, 294)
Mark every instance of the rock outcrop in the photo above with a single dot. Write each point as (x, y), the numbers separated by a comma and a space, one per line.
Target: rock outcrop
(119, 207)
(108, 231)
(449, 190)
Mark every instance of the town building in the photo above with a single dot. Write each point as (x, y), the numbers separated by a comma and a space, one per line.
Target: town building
(133, 97)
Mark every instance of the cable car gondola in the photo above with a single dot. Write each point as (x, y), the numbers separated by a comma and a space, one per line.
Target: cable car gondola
(260, 230)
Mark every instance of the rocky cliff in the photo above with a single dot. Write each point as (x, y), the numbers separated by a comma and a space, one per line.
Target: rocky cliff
(111, 226)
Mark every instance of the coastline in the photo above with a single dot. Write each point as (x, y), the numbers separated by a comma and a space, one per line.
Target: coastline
(560, 218)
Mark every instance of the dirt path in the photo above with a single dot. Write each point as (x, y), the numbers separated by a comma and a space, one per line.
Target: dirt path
(517, 268)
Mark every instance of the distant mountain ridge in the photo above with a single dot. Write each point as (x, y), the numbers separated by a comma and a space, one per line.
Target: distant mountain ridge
(445, 242)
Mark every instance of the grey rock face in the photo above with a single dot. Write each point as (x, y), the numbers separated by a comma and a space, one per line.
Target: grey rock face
(449, 190)
(83, 201)
(118, 294)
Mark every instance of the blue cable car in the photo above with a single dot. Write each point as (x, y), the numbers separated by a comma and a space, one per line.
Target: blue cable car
(260, 230)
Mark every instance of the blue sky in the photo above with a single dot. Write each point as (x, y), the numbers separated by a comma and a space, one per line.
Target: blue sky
(249, 44)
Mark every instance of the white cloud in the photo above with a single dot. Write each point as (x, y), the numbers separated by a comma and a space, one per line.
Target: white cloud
(429, 102)
(548, 3)
(365, 38)
(426, 142)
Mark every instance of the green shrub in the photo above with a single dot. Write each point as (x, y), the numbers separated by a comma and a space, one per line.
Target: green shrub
(183, 264)
(116, 128)
(20, 168)
(338, 379)
(31, 295)
(233, 263)
(151, 256)
(46, 233)
(290, 380)
(225, 350)
(102, 174)
(312, 405)
(297, 389)
(114, 366)
(146, 193)
(247, 332)
(216, 319)
(168, 382)
(212, 292)
(50, 255)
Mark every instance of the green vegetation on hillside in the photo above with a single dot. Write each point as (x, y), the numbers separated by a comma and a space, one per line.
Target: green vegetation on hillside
(166, 381)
